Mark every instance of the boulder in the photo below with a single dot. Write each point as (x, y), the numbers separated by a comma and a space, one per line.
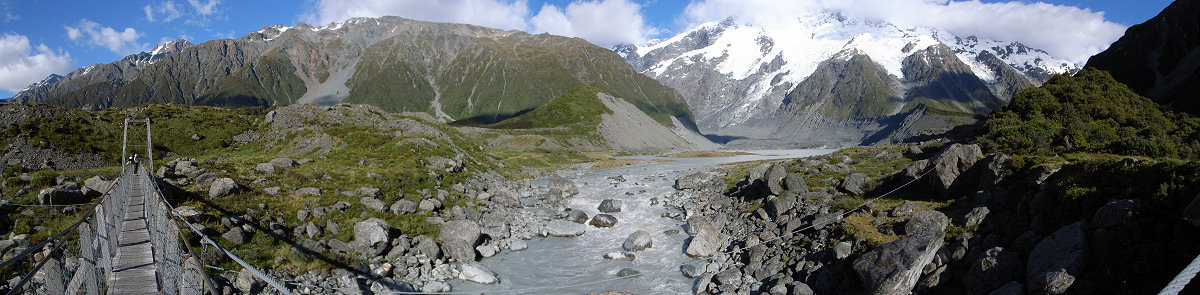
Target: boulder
(577, 216)
(638, 241)
(464, 230)
(236, 236)
(248, 283)
(853, 183)
(308, 191)
(373, 204)
(952, 162)
(475, 272)
(426, 246)
(927, 221)
(222, 187)
(1113, 213)
(459, 250)
(1056, 260)
(774, 178)
(692, 182)
(429, 205)
(1191, 213)
(706, 242)
(563, 228)
(61, 196)
(567, 187)
(994, 268)
(372, 237)
(403, 206)
(895, 267)
(610, 206)
(794, 182)
(603, 220)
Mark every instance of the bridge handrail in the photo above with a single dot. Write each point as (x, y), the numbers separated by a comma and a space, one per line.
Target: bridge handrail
(56, 238)
(204, 238)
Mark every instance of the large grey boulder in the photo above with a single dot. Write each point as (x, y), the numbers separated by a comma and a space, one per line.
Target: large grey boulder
(403, 206)
(372, 237)
(465, 230)
(61, 195)
(895, 267)
(1056, 260)
(706, 242)
(609, 206)
(994, 268)
(563, 228)
(248, 283)
(236, 236)
(459, 250)
(638, 241)
(603, 220)
(373, 204)
(693, 181)
(774, 178)
(927, 221)
(475, 272)
(97, 184)
(853, 183)
(567, 187)
(952, 162)
(222, 187)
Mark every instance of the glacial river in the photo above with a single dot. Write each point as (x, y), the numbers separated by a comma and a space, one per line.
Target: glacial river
(575, 265)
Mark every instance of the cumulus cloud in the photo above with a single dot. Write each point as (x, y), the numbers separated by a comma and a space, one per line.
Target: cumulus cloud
(603, 22)
(22, 64)
(166, 11)
(498, 14)
(1064, 31)
(94, 34)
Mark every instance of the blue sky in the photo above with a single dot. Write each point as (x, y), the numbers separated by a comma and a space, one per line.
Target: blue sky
(39, 37)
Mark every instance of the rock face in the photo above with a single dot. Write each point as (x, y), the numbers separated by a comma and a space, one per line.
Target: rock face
(372, 237)
(952, 162)
(222, 187)
(1057, 260)
(705, 243)
(563, 228)
(638, 241)
(894, 268)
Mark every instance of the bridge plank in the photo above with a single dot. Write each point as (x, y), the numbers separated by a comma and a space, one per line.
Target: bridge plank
(133, 270)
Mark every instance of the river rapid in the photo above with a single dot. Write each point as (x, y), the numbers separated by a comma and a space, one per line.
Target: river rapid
(575, 265)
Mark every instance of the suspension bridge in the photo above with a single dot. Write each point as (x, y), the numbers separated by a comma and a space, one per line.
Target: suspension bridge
(129, 243)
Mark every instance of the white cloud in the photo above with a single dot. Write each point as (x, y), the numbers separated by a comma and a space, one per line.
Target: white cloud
(1064, 31)
(94, 34)
(603, 22)
(500, 14)
(21, 65)
(166, 11)
(203, 8)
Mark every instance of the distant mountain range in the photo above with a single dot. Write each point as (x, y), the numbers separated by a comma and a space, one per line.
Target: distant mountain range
(829, 77)
(453, 71)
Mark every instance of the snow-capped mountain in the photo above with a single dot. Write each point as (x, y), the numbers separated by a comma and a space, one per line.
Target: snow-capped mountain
(745, 79)
(123, 70)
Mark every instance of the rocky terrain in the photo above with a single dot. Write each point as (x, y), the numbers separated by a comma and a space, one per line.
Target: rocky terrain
(960, 222)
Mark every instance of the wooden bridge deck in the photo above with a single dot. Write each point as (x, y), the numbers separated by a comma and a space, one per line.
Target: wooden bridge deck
(133, 268)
